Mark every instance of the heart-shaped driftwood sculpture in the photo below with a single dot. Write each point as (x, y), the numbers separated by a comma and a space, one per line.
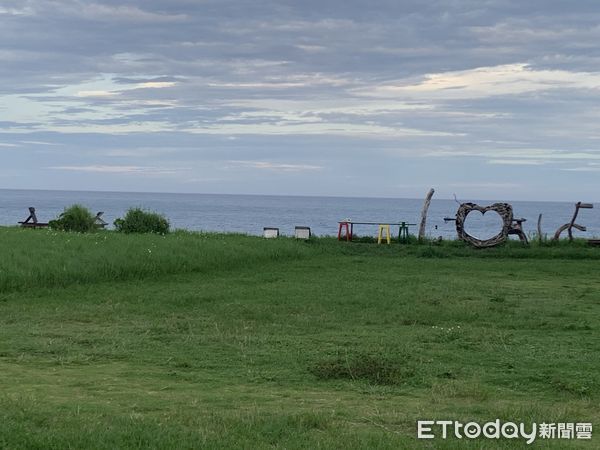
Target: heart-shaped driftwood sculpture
(504, 210)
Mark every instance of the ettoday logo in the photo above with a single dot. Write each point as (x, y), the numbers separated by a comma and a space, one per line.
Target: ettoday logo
(444, 429)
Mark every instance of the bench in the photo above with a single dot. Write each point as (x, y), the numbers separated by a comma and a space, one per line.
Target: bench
(32, 221)
(99, 222)
(348, 227)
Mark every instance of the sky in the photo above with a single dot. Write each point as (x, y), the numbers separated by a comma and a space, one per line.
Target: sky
(482, 99)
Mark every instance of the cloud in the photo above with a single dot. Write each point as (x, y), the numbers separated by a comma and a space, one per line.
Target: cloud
(400, 90)
(39, 143)
(250, 85)
(96, 93)
(524, 155)
(590, 167)
(310, 128)
(508, 79)
(155, 84)
(278, 167)
(113, 87)
(484, 185)
(131, 170)
(120, 13)
(517, 162)
(134, 80)
(312, 48)
(16, 11)
(304, 80)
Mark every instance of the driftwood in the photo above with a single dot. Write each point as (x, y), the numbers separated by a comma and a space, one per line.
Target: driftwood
(566, 227)
(424, 214)
(504, 210)
(569, 226)
(517, 229)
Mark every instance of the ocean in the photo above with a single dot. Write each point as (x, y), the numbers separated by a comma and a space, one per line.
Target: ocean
(250, 213)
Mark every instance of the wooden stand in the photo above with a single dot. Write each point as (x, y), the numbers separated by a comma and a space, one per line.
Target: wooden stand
(345, 226)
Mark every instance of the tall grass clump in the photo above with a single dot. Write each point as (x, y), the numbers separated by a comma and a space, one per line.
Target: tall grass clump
(74, 218)
(46, 258)
(137, 220)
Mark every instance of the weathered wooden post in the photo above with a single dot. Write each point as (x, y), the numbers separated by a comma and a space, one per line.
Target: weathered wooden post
(424, 214)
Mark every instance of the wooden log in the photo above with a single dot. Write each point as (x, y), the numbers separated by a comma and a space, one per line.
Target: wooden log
(424, 214)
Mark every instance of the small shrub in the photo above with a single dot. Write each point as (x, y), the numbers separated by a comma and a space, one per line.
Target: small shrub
(74, 218)
(137, 220)
(375, 369)
(430, 251)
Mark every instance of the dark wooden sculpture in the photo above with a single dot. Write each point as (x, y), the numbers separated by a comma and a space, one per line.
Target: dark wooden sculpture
(569, 226)
(517, 229)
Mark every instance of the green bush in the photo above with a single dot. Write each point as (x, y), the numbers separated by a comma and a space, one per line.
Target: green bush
(74, 218)
(137, 220)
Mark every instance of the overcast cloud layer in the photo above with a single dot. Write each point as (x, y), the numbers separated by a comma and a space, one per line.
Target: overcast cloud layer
(485, 99)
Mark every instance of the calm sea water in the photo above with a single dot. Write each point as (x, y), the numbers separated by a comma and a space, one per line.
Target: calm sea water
(250, 213)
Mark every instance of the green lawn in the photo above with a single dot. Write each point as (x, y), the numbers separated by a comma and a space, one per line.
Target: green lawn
(226, 341)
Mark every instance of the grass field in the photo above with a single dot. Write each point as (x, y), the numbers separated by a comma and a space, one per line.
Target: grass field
(228, 341)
